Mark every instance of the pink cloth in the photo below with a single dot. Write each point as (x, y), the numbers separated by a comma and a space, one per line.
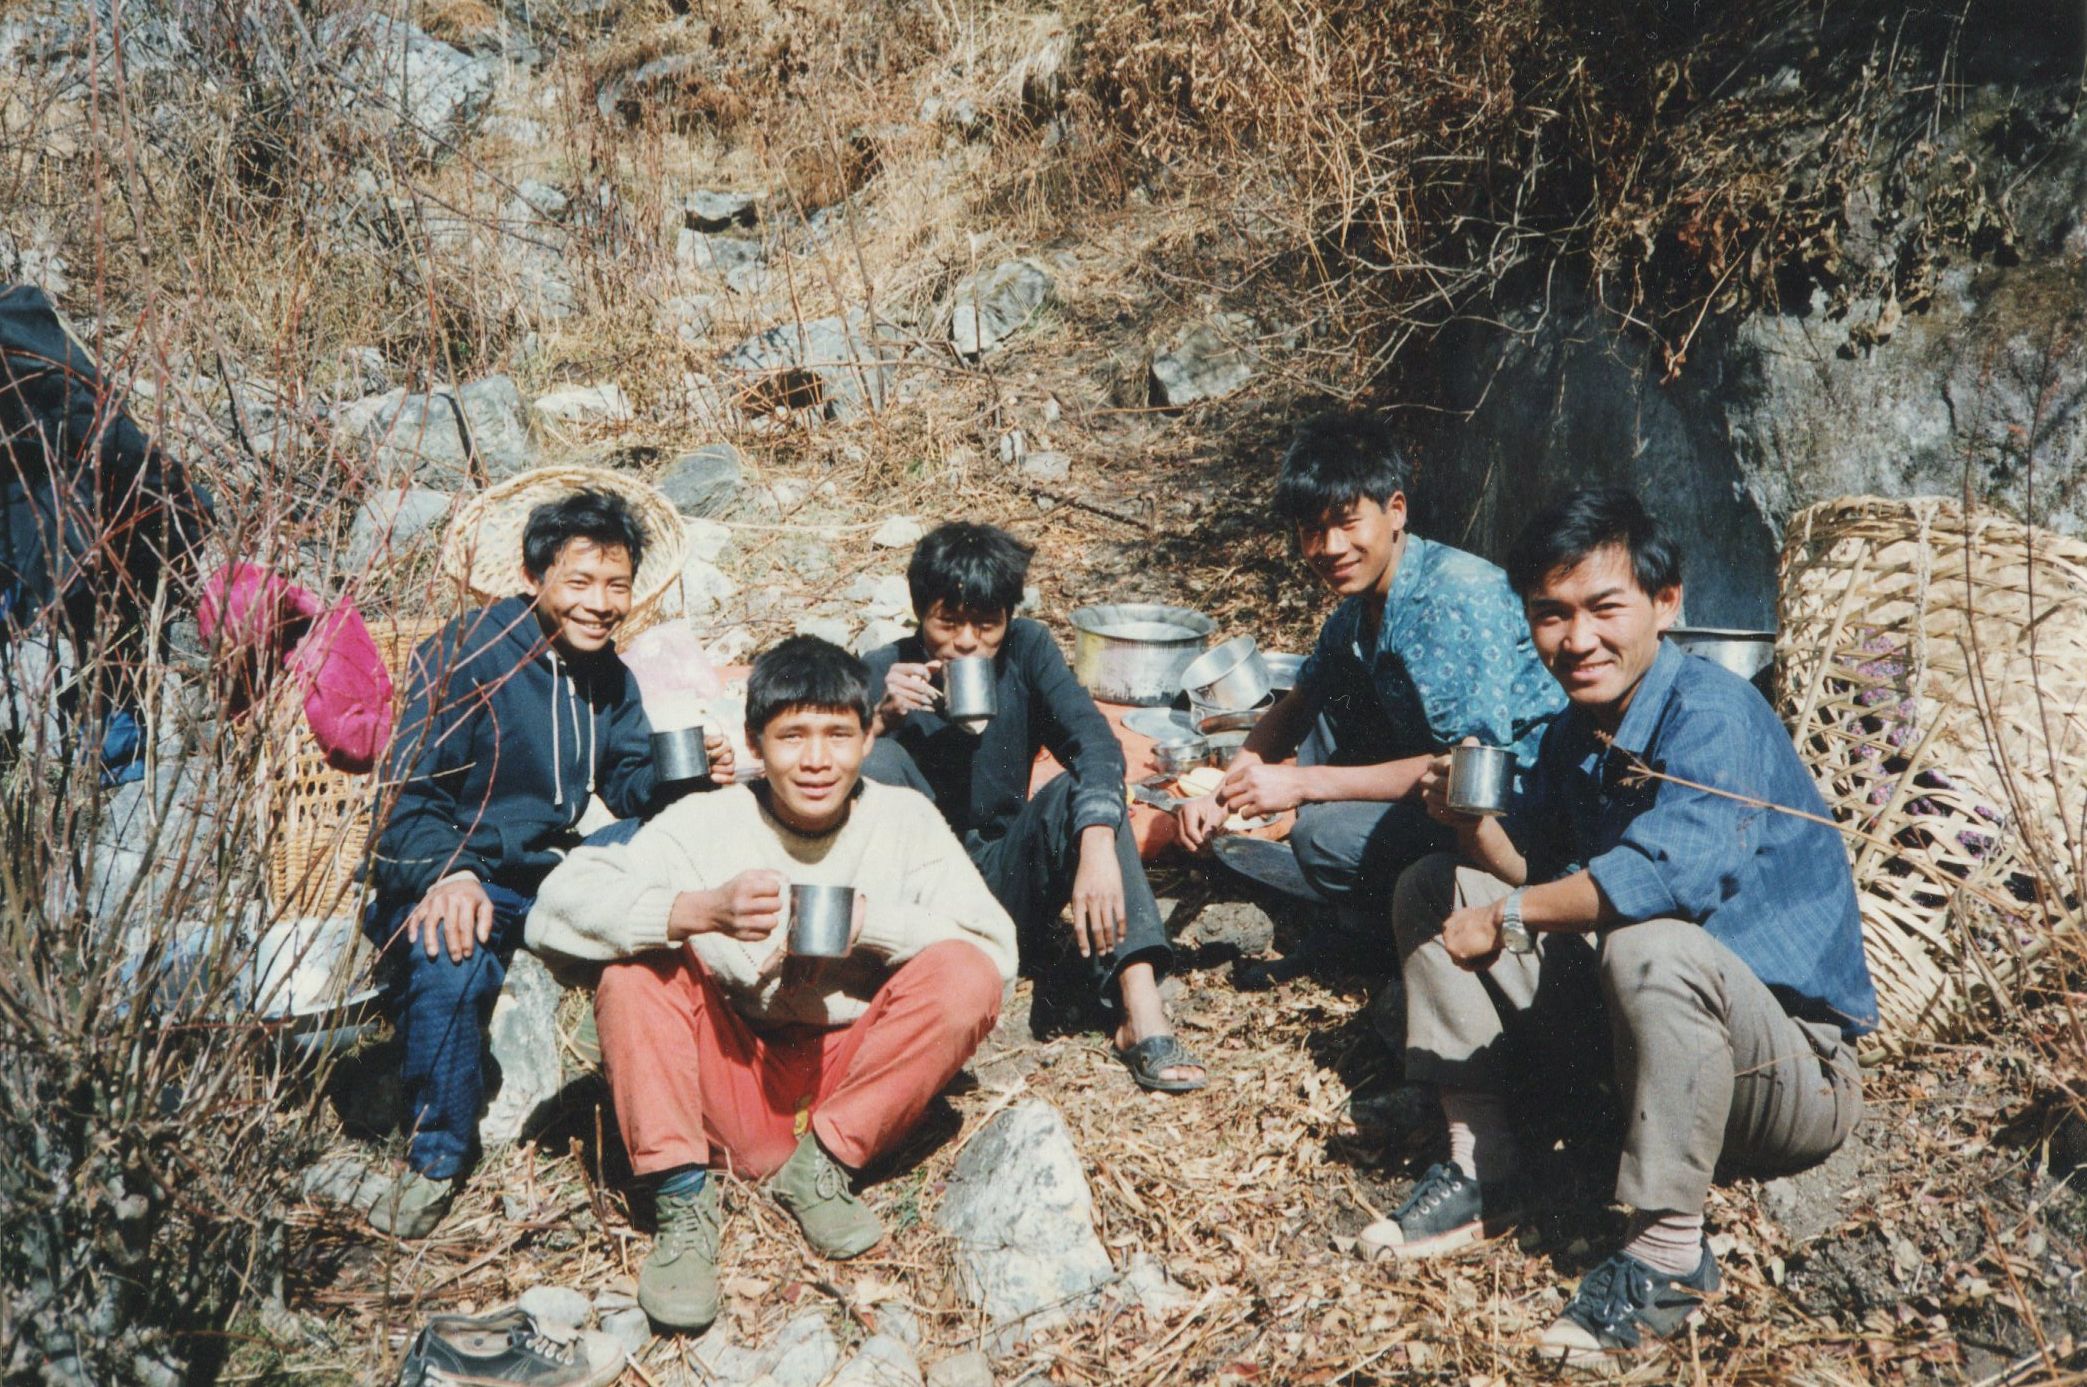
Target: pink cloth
(328, 651)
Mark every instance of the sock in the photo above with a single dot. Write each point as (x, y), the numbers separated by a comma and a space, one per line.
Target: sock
(1481, 1139)
(688, 1180)
(1666, 1241)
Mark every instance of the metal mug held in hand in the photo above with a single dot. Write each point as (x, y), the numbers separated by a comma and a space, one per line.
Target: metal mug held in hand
(1481, 778)
(680, 755)
(970, 689)
(821, 919)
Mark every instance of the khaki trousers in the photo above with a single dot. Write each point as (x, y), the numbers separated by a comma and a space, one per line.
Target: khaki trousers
(1707, 1063)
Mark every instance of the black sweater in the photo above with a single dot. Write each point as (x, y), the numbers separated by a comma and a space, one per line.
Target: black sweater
(981, 781)
(501, 743)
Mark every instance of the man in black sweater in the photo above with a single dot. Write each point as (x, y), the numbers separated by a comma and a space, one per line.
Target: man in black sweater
(1068, 845)
(517, 714)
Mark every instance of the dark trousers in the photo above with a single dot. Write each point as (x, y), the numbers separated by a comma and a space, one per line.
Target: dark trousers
(440, 1008)
(1030, 871)
(1353, 851)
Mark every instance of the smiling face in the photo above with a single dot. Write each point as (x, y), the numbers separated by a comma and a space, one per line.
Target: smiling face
(957, 634)
(1353, 548)
(813, 758)
(1597, 631)
(584, 596)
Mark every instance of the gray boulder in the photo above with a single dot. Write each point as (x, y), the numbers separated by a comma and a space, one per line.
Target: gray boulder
(829, 366)
(971, 1369)
(630, 1327)
(524, 1045)
(1022, 1218)
(803, 1353)
(390, 524)
(1049, 465)
(989, 308)
(417, 435)
(407, 80)
(706, 482)
(556, 1305)
(706, 210)
(1207, 362)
(882, 1361)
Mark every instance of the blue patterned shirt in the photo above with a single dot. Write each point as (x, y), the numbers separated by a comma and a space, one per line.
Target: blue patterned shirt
(1773, 888)
(1453, 658)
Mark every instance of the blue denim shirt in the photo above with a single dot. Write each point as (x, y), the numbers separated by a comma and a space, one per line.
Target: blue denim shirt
(1453, 658)
(1773, 888)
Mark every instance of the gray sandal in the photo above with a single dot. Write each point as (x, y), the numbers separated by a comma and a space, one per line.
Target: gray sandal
(1150, 1059)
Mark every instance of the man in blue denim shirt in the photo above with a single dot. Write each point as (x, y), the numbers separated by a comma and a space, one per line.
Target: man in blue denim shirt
(1727, 944)
(1428, 647)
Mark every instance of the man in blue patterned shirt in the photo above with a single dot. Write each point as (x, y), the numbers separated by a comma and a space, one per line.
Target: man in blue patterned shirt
(1428, 647)
(1646, 881)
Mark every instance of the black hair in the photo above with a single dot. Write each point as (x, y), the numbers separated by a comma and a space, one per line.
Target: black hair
(601, 517)
(1568, 530)
(1335, 460)
(805, 672)
(968, 567)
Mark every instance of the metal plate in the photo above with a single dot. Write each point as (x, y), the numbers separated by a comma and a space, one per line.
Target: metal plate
(1160, 724)
(1268, 864)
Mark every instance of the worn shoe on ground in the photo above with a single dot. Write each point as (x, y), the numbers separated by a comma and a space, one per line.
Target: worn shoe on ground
(508, 1349)
(412, 1205)
(1621, 1302)
(677, 1286)
(1446, 1211)
(815, 1191)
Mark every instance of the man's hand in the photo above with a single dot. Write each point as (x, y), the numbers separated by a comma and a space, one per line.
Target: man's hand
(1472, 936)
(1098, 921)
(908, 689)
(1255, 788)
(455, 914)
(748, 907)
(1434, 793)
(1199, 820)
(718, 747)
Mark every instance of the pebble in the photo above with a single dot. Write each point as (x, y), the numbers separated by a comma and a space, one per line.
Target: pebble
(556, 1305)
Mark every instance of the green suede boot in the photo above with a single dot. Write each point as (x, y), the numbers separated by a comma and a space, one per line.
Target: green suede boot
(677, 1286)
(815, 1191)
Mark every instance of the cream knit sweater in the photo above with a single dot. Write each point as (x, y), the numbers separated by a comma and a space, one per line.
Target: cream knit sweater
(917, 886)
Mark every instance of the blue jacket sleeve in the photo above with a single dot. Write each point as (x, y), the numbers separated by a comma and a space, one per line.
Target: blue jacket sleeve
(1682, 856)
(422, 841)
(1076, 733)
(626, 776)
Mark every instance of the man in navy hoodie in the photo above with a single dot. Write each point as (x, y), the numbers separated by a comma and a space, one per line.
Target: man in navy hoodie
(518, 713)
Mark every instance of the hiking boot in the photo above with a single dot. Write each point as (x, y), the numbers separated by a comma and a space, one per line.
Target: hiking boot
(1446, 1211)
(1621, 1301)
(677, 1286)
(815, 1191)
(412, 1205)
(508, 1348)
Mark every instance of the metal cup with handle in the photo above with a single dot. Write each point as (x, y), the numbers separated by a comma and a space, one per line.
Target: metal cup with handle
(680, 755)
(970, 689)
(821, 919)
(1481, 778)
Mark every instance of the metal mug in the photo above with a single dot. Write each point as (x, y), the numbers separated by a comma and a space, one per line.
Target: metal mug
(1480, 779)
(970, 689)
(821, 919)
(680, 755)
(1181, 754)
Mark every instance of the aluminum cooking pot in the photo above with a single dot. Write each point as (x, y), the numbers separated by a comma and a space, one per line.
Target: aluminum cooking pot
(1232, 675)
(1134, 652)
(1745, 653)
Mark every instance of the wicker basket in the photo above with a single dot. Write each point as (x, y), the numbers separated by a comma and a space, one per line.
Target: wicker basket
(483, 547)
(322, 829)
(1934, 674)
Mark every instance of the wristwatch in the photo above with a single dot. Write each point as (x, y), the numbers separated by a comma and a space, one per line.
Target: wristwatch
(1516, 936)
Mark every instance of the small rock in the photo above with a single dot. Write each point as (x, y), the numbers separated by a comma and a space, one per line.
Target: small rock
(718, 255)
(706, 481)
(707, 539)
(704, 587)
(1240, 925)
(899, 532)
(585, 404)
(541, 198)
(1045, 466)
(898, 1322)
(556, 1305)
(705, 210)
(388, 523)
(1020, 1212)
(524, 1047)
(829, 366)
(838, 630)
(882, 1361)
(988, 309)
(1157, 1293)
(417, 435)
(1208, 361)
(345, 1181)
(690, 315)
(971, 1369)
(630, 1327)
(803, 1353)
(879, 632)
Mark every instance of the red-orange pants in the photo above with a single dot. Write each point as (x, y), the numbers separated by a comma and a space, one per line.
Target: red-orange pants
(694, 1084)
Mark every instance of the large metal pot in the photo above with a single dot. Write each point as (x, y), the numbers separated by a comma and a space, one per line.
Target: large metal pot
(1745, 653)
(1134, 652)
(1231, 676)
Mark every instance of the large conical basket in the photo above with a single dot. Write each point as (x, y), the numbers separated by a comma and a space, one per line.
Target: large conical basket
(1934, 674)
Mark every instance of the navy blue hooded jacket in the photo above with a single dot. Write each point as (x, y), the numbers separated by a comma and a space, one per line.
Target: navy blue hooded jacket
(499, 747)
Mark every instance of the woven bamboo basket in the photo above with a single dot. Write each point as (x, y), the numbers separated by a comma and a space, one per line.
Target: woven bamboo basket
(323, 815)
(1934, 674)
(483, 547)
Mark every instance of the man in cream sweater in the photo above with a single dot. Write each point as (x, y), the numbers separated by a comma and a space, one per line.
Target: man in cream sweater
(723, 1051)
